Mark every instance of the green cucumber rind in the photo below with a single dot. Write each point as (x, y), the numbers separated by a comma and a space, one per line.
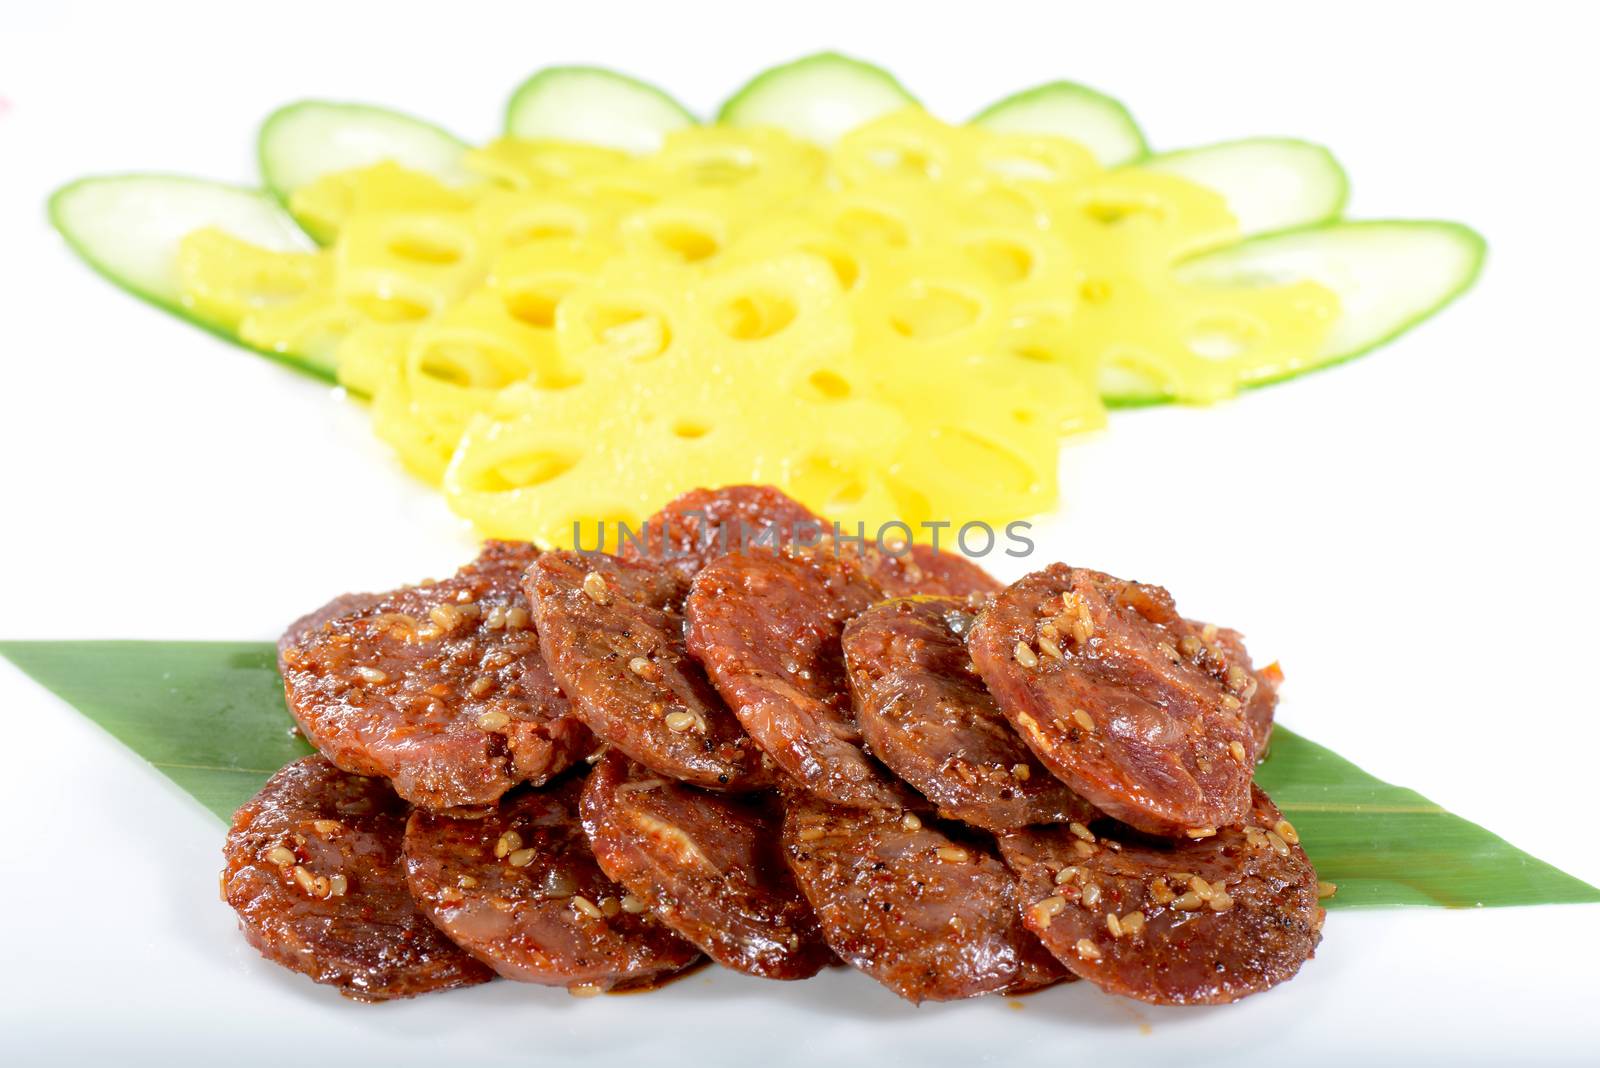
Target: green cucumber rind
(54, 212)
(542, 77)
(1330, 162)
(728, 112)
(1053, 88)
(1471, 239)
(272, 180)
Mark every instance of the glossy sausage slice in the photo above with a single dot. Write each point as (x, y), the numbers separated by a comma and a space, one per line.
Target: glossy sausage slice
(314, 872)
(612, 632)
(520, 890)
(923, 569)
(708, 865)
(438, 687)
(926, 714)
(767, 627)
(928, 917)
(695, 528)
(1172, 922)
(1091, 672)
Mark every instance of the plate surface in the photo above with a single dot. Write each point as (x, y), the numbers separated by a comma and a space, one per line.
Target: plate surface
(1411, 534)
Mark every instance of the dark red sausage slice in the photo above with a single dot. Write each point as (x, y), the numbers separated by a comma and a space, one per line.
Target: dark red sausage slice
(520, 890)
(928, 917)
(926, 714)
(314, 872)
(1088, 669)
(1194, 923)
(708, 865)
(1219, 650)
(926, 570)
(612, 633)
(703, 524)
(767, 626)
(438, 687)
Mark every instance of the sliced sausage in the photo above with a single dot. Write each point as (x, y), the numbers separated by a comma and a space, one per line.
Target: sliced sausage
(1218, 650)
(1172, 922)
(708, 865)
(438, 688)
(703, 524)
(922, 569)
(612, 633)
(766, 625)
(520, 890)
(1089, 670)
(925, 713)
(927, 916)
(314, 872)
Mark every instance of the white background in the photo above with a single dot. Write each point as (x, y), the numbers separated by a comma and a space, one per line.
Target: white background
(1413, 534)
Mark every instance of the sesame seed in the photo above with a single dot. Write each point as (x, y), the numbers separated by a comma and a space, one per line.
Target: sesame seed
(1231, 703)
(910, 822)
(1287, 832)
(321, 887)
(1326, 890)
(1083, 719)
(632, 905)
(493, 721)
(1237, 749)
(585, 990)
(495, 619)
(1132, 923)
(508, 843)
(1189, 645)
(516, 618)
(1221, 901)
(467, 882)
(1160, 892)
(281, 856)
(1279, 846)
(811, 834)
(1067, 874)
(326, 827)
(1188, 902)
(371, 675)
(1200, 832)
(307, 882)
(595, 587)
(1084, 849)
(1025, 656)
(1114, 925)
(1047, 910)
(1080, 831)
(640, 666)
(587, 907)
(1088, 950)
(1048, 646)
(480, 686)
(445, 617)
(1021, 772)
(338, 885)
(1208, 633)
(1238, 679)
(952, 854)
(610, 906)
(520, 858)
(679, 722)
(1201, 887)
(1090, 895)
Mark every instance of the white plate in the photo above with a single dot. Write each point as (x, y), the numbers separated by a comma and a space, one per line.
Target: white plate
(1411, 534)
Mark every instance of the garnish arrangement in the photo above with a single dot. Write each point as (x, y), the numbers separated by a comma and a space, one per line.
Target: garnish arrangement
(886, 315)
(586, 770)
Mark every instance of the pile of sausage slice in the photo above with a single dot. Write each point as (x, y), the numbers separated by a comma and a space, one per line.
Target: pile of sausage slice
(780, 753)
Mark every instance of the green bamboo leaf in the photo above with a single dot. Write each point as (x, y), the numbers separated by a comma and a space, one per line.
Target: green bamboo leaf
(211, 717)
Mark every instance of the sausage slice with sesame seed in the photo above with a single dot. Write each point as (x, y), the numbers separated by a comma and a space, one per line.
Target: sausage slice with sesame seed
(438, 687)
(1172, 922)
(612, 632)
(925, 712)
(314, 872)
(930, 917)
(1121, 698)
(695, 528)
(708, 865)
(925, 570)
(520, 890)
(767, 627)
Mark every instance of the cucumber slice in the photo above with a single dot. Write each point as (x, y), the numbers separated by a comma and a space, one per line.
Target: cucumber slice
(1389, 277)
(1270, 183)
(127, 227)
(819, 97)
(1096, 121)
(595, 106)
(302, 142)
